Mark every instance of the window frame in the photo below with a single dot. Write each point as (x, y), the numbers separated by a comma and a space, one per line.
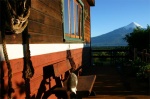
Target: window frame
(72, 39)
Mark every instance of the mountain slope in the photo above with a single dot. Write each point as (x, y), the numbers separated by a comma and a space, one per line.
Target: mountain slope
(115, 37)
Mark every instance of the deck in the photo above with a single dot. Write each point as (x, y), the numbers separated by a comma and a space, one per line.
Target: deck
(111, 84)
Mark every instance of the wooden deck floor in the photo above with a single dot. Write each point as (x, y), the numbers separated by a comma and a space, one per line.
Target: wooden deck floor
(110, 84)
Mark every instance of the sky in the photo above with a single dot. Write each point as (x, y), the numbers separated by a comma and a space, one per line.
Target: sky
(108, 15)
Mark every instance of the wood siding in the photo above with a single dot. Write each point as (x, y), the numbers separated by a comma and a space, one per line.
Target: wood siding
(41, 63)
(45, 23)
(87, 27)
(45, 27)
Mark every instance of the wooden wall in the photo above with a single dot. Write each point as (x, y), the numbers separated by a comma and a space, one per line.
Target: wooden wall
(43, 79)
(45, 26)
(45, 23)
(87, 24)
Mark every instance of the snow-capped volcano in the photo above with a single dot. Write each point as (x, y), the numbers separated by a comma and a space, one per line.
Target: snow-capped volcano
(133, 25)
(115, 37)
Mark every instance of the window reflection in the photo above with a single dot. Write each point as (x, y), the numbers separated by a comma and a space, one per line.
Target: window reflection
(72, 17)
(66, 17)
(73, 20)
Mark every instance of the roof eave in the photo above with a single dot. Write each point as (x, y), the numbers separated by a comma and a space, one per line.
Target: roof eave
(91, 2)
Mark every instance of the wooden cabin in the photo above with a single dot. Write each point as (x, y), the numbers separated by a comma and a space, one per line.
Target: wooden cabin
(54, 28)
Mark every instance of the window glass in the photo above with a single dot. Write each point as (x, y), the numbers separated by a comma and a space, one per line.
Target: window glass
(77, 21)
(73, 19)
(81, 22)
(66, 17)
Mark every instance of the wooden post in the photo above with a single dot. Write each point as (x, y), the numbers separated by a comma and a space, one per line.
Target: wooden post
(135, 53)
(148, 71)
(144, 55)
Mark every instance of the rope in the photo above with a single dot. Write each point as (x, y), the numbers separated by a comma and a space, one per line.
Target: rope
(17, 22)
(10, 89)
(28, 70)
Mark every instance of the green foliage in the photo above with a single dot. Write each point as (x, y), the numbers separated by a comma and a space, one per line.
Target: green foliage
(139, 38)
(140, 68)
(142, 73)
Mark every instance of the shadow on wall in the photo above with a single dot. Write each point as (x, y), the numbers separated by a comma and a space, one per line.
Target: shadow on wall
(86, 60)
(42, 93)
(45, 88)
(21, 87)
(24, 87)
(2, 91)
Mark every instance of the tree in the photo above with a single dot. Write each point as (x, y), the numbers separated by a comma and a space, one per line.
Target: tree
(139, 38)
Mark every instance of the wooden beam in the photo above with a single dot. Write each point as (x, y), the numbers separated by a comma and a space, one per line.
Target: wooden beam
(91, 2)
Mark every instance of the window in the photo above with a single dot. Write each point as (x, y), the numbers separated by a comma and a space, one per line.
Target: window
(73, 19)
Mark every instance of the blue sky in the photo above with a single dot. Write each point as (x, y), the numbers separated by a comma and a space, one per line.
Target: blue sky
(108, 15)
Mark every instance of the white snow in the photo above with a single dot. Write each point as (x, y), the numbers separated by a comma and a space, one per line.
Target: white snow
(133, 25)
